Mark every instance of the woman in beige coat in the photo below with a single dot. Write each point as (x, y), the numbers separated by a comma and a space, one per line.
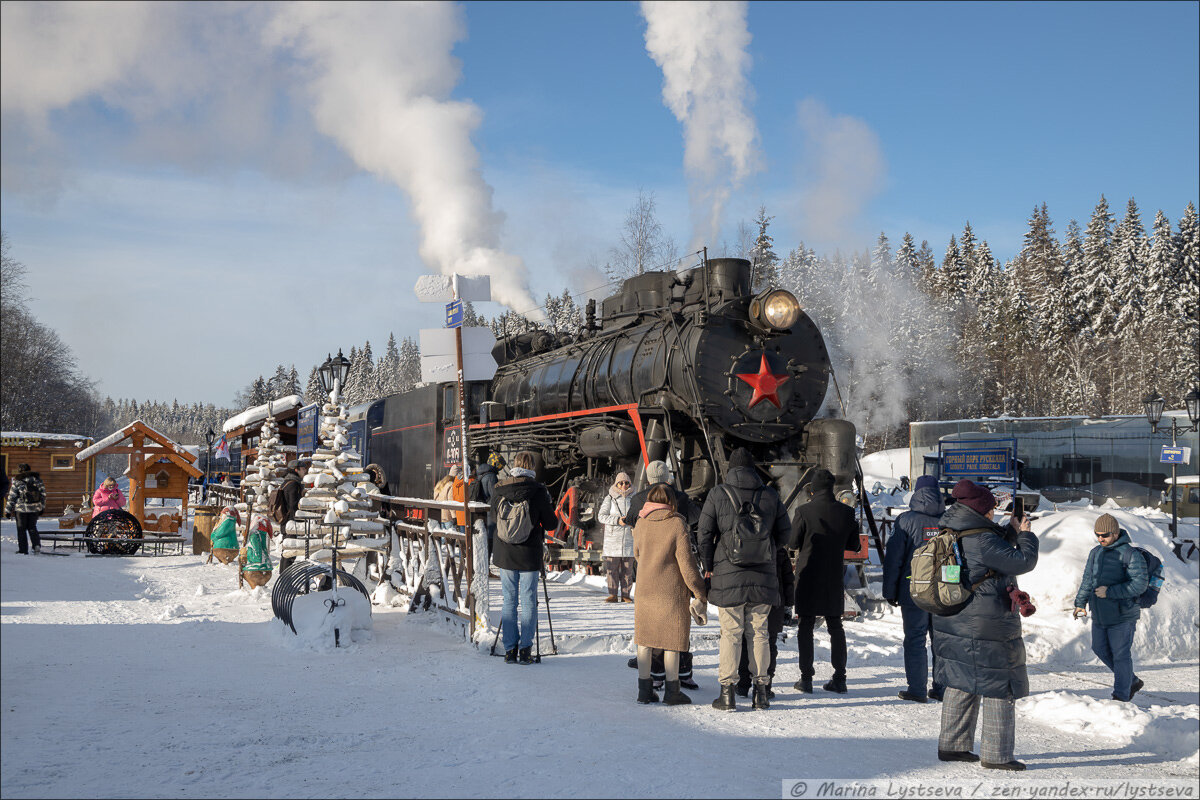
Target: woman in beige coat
(667, 579)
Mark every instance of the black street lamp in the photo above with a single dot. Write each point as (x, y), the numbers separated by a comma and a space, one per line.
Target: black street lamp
(209, 437)
(1153, 404)
(333, 372)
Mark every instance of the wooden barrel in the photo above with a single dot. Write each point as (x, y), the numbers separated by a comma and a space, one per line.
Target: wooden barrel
(226, 555)
(202, 525)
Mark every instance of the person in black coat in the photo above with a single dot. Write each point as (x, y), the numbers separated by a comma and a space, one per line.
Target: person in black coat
(520, 564)
(823, 529)
(980, 653)
(486, 476)
(744, 593)
(912, 529)
(290, 491)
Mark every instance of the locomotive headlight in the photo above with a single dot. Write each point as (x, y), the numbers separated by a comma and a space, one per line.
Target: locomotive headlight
(777, 309)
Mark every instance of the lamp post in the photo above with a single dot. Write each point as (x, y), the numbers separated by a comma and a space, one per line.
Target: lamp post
(209, 437)
(1153, 405)
(333, 374)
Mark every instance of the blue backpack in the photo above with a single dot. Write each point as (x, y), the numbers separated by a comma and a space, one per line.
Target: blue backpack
(1154, 569)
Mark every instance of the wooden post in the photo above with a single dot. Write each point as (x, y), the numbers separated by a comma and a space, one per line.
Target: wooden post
(137, 478)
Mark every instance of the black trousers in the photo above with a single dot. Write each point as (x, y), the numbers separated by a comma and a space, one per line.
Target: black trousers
(27, 530)
(774, 628)
(837, 645)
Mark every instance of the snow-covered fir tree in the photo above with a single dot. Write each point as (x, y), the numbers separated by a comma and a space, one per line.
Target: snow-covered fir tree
(764, 263)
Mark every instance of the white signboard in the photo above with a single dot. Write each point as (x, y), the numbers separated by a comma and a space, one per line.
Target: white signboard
(440, 342)
(444, 368)
(440, 288)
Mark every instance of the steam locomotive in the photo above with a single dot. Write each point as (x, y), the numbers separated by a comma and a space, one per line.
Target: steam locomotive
(680, 366)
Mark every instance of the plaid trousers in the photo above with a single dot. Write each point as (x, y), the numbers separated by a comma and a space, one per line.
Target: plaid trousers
(959, 714)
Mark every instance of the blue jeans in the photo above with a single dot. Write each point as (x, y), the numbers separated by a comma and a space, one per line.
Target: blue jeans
(520, 605)
(916, 665)
(1114, 646)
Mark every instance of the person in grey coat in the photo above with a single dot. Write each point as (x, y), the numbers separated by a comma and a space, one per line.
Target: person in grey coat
(913, 528)
(980, 653)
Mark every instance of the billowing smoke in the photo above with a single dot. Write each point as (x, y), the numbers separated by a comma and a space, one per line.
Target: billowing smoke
(842, 169)
(702, 48)
(195, 86)
(380, 77)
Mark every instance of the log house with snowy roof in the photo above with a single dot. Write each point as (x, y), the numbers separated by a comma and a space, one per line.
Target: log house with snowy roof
(52, 456)
(158, 467)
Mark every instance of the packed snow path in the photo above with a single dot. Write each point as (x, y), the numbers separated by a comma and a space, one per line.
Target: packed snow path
(156, 676)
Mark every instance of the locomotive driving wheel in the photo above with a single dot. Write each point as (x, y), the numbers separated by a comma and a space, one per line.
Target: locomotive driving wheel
(119, 529)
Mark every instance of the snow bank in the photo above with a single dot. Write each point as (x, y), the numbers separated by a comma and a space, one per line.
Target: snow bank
(886, 464)
(1169, 630)
(1171, 731)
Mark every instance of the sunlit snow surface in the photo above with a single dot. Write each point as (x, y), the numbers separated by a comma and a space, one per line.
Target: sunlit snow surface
(158, 676)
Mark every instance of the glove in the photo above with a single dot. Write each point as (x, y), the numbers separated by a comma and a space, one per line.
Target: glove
(1021, 601)
(699, 610)
(893, 603)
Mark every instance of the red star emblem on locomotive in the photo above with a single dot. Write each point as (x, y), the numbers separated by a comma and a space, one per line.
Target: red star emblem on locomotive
(766, 383)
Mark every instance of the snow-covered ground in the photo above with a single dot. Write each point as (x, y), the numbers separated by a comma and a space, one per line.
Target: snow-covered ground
(157, 676)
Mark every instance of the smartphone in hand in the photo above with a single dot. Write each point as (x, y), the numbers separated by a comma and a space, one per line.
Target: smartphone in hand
(1018, 512)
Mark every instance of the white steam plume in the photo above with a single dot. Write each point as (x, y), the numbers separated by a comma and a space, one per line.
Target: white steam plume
(702, 48)
(842, 169)
(380, 78)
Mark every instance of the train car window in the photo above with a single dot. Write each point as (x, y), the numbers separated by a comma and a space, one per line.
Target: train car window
(476, 396)
(375, 416)
(449, 402)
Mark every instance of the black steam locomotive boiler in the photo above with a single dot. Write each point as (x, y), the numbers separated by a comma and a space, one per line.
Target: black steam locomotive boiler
(680, 366)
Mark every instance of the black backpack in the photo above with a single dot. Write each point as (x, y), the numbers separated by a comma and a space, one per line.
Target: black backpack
(749, 543)
(1154, 572)
(35, 493)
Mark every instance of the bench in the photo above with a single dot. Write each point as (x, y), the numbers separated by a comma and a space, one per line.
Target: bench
(155, 543)
(73, 539)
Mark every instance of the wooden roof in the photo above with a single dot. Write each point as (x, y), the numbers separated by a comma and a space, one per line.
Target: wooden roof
(116, 443)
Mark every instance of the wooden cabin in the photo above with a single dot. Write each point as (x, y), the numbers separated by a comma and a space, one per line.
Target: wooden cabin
(158, 467)
(52, 456)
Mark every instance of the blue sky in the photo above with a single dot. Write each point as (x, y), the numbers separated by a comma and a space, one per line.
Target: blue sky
(188, 181)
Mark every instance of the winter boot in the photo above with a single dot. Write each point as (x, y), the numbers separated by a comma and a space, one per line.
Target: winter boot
(957, 755)
(725, 702)
(632, 663)
(803, 685)
(646, 693)
(1014, 766)
(510, 656)
(612, 598)
(760, 697)
(1138, 683)
(837, 685)
(912, 698)
(523, 656)
(674, 697)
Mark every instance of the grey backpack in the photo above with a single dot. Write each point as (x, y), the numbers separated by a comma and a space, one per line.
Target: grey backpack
(513, 523)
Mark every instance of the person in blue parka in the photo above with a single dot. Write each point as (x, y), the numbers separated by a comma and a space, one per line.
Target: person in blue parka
(980, 657)
(1115, 576)
(913, 528)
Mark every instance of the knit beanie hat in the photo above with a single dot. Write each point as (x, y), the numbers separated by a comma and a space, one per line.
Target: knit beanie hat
(925, 481)
(496, 460)
(973, 496)
(657, 472)
(1107, 523)
(741, 458)
(822, 479)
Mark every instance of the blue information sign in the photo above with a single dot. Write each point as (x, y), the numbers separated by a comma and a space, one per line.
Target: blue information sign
(454, 314)
(306, 429)
(992, 462)
(1174, 455)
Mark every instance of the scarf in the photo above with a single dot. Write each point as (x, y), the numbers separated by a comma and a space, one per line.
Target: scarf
(646, 509)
